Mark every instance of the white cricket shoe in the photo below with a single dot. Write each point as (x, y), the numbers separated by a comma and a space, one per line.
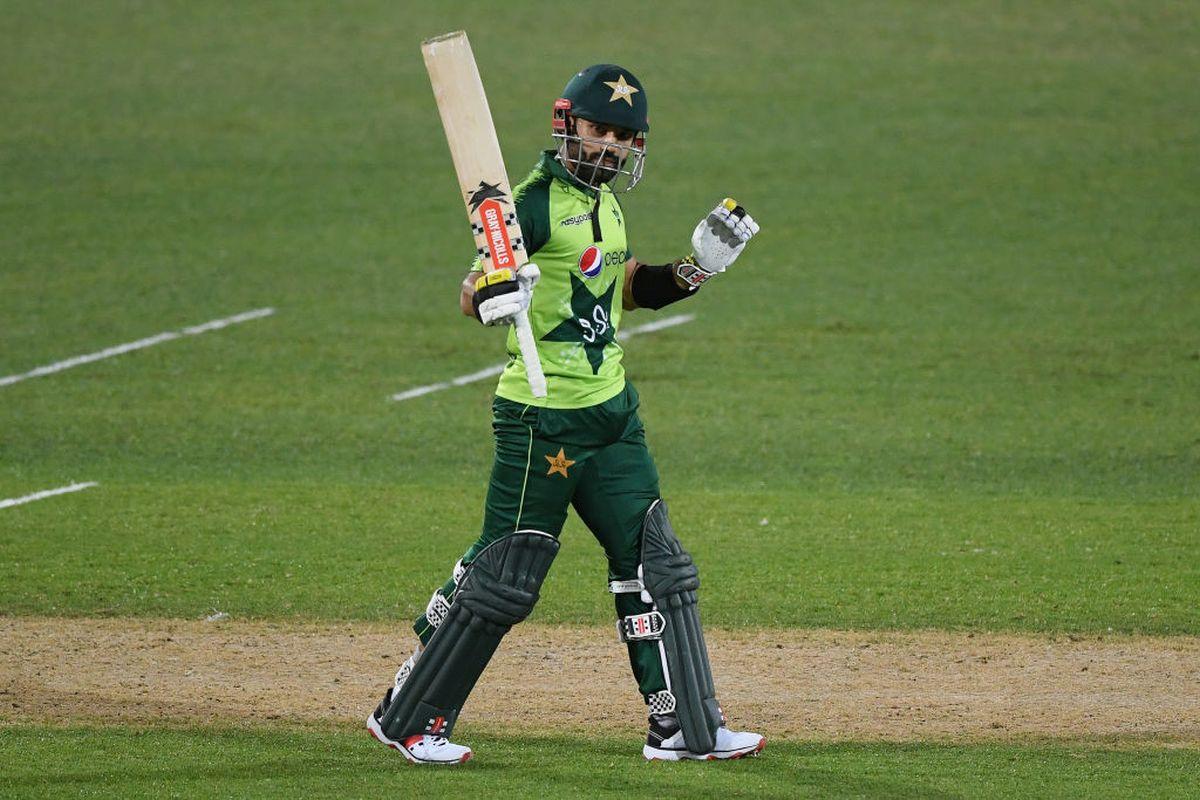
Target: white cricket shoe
(419, 748)
(665, 742)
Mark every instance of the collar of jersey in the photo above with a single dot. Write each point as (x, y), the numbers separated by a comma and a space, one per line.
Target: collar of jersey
(551, 165)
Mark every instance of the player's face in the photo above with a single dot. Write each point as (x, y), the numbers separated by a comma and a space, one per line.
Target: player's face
(603, 148)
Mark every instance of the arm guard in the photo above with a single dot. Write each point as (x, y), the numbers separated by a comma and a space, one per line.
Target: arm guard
(654, 286)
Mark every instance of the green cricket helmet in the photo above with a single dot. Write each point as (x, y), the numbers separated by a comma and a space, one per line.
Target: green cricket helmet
(610, 95)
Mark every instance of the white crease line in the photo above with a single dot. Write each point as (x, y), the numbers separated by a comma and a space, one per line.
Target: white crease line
(149, 341)
(658, 325)
(496, 369)
(29, 498)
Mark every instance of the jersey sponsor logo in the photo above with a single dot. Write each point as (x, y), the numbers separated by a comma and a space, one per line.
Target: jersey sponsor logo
(591, 261)
(491, 215)
(578, 219)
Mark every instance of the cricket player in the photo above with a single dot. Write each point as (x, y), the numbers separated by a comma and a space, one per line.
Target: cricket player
(582, 445)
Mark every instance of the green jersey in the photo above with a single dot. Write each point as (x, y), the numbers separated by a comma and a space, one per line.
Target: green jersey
(576, 236)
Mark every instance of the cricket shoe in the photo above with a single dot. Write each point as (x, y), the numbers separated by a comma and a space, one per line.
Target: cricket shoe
(665, 742)
(418, 748)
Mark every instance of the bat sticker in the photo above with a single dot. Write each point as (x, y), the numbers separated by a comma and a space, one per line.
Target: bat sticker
(485, 191)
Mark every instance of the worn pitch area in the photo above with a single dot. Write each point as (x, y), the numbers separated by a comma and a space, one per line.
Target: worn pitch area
(808, 684)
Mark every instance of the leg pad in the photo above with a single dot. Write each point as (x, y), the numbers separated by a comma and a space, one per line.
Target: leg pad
(671, 579)
(498, 590)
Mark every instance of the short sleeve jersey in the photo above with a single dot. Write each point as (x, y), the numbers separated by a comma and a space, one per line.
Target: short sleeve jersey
(576, 236)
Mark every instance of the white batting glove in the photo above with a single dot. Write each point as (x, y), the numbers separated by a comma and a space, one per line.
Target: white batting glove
(717, 242)
(500, 295)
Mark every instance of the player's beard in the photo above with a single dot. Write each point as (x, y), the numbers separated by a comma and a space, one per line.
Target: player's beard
(599, 168)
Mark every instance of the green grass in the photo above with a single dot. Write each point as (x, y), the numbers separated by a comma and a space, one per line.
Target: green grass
(957, 372)
(313, 551)
(137, 763)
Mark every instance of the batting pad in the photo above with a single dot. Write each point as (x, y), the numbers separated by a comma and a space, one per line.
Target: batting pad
(499, 590)
(672, 579)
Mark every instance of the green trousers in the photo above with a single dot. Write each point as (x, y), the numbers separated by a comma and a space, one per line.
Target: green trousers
(593, 459)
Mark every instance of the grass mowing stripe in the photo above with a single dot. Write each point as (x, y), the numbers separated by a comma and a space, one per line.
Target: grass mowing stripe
(305, 549)
(149, 341)
(42, 495)
(134, 763)
(496, 369)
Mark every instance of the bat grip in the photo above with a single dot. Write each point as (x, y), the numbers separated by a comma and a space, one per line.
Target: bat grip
(529, 354)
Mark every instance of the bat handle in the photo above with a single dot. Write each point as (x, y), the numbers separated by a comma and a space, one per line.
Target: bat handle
(529, 354)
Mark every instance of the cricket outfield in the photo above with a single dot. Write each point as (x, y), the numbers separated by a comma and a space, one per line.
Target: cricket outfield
(933, 440)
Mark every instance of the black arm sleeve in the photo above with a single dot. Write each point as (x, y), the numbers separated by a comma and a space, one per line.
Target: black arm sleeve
(654, 286)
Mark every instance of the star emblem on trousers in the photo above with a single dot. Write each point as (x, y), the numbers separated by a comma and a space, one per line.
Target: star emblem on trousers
(559, 464)
(590, 323)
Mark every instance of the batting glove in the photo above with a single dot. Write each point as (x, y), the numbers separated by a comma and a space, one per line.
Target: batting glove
(717, 242)
(501, 295)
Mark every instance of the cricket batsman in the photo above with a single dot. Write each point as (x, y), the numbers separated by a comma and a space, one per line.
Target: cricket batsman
(582, 445)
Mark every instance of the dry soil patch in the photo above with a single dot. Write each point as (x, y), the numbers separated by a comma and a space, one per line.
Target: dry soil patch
(810, 684)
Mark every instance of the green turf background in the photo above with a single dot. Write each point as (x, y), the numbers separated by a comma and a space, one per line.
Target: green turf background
(953, 384)
(958, 373)
(302, 764)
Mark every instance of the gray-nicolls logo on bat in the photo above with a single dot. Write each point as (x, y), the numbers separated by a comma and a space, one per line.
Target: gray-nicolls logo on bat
(486, 191)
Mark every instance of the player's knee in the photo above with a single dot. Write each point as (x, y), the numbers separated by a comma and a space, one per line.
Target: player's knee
(665, 577)
(667, 569)
(507, 597)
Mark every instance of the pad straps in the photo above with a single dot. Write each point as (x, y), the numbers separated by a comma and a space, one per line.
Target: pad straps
(641, 627)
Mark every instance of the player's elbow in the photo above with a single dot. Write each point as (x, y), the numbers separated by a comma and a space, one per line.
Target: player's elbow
(466, 295)
(627, 301)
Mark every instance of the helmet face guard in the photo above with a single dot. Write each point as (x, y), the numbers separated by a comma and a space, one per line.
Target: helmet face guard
(617, 165)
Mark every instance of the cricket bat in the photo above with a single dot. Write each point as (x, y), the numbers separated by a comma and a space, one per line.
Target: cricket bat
(471, 135)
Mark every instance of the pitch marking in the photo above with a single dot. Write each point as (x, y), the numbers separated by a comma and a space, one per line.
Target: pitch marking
(149, 341)
(496, 369)
(29, 498)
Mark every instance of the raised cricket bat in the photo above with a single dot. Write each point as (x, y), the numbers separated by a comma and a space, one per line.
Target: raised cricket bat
(481, 177)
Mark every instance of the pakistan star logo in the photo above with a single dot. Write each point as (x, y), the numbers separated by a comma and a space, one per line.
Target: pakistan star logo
(486, 191)
(621, 90)
(589, 323)
(559, 463)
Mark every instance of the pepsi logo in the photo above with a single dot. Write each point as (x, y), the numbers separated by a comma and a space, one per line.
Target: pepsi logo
(591, 261)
